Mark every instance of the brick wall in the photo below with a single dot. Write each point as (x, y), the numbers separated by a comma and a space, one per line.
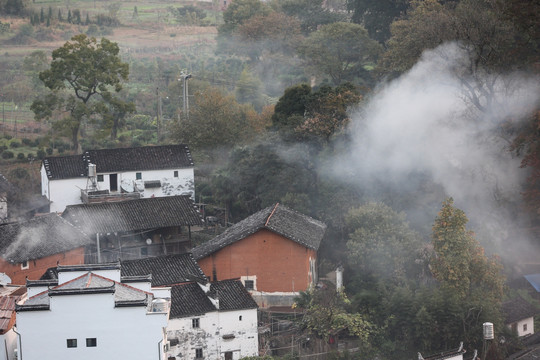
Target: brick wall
(280, 264)
(36, 268)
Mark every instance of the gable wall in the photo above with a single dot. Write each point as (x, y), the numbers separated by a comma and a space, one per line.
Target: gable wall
(36, 268)
(279, 264)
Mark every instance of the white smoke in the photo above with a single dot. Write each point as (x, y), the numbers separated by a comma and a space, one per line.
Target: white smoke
(421, 123)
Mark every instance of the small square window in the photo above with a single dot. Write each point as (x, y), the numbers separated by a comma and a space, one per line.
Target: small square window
(91, 342)
(198, 354)
(25, 265)
(175, 173)
(100, 178)
(138, 176)
(195, 323)
(249, 284)
(71, 343)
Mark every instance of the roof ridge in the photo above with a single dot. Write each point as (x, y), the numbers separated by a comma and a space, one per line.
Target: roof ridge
(272, 213)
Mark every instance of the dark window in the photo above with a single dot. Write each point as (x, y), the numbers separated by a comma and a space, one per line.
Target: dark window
(198, 353)
(24, 265)
(524, 327)
(249, 284)
(144, 251)
(91, 342)
(240, 318)
(175, 173)
(228, 355)
(71, 343)
(138, 176)
(195, 323)
(100, 178)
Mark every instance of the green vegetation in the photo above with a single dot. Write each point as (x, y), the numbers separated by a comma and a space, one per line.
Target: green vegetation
(278, 93)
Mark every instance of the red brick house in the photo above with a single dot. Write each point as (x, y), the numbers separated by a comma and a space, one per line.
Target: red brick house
(273, 252)
(29, 248)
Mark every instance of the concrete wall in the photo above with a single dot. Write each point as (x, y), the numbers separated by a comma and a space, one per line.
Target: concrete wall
(36, 268)
(279, 264)
(121, 332)
(68, 191)
(524, 327)
(239, 328)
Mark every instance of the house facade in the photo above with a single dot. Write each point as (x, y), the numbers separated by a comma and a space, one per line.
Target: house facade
(117, 174)
(28, 248)
(212, 321)
(273, 252)
(519, 316)
(91, 313)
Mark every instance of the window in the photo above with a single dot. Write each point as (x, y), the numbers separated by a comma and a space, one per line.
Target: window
(71, 343)
(138, 176)
(240, 318)
(195, 323)
(198, 353)
(228, 355)
(175, 173)
(91, 342)
(249, 284)
(24, 265)
(100, 178)
(524, 327)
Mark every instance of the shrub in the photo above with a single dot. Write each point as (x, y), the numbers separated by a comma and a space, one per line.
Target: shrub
(14, 144)
(20, 156)
(49, 151)
(27, 141)
(41, 154)
(7, 155)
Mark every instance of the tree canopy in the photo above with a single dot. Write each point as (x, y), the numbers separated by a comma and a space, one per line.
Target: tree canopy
(82, 70)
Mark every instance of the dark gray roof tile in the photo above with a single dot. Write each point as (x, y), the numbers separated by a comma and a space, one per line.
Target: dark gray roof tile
(118, 160)
(134, 215)
(277, 218)
(518, 309)
(39, 237)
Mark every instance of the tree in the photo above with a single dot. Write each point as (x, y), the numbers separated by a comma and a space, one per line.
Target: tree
(377, 15)
(248, 90)
(239, 11)
(485, 31)
(215, 121)
(459, 262)
(310, 13)
(326, 315)
(83, 74)
(339, 50)
(381, 242)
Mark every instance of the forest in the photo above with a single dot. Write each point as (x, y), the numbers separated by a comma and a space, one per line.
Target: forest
(410, 127)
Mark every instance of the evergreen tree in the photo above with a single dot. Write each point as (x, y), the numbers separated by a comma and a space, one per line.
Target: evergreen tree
(48, 21)
(49, 14)
(87, 21)
(60, 15)
(69, 19)
(42, 16)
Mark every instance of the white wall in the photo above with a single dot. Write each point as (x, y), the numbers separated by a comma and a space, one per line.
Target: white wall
(121, 333)
(68, 191)
(209, 336)
(529, 322)
(8, 344)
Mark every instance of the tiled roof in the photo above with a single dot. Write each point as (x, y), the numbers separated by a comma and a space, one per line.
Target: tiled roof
(232, 295)
(277, 218)
(133, 215)
(165, 270)
(7, 308)
(119, 160)
(89, 283)
(518, 309)
(191, 300)
(39, 237)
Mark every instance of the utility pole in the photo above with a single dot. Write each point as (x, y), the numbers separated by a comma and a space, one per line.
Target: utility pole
(158, 114)
(185, 94)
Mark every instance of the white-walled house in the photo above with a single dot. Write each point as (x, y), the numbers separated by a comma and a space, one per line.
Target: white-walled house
(117, 174)
(91, 313)
(212, 321)
(519, 316)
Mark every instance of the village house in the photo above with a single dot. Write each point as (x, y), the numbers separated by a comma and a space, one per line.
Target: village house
(117, 174)
(91, 312)
(28, 248)
(519, 316)
(9, 296)
(136, 228)
(273, 252)
(212, 321)
(454, 354)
